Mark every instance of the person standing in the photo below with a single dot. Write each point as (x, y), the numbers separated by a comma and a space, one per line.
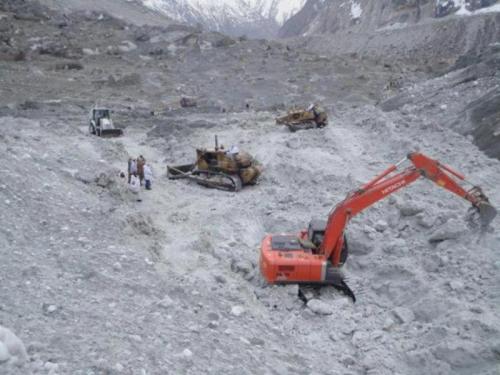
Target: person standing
(148, 176)
(135, 186)
(133, 167)
(129, 169)
(140, 167)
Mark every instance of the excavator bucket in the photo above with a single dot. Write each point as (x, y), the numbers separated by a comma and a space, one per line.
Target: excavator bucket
(487, 213)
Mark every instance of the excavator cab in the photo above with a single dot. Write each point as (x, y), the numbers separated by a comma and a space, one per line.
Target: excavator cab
(316, 231)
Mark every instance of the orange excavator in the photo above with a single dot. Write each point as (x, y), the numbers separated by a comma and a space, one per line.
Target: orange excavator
(315, 255)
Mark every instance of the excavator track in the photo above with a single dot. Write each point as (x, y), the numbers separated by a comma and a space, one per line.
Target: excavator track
(335, 278)
(314, 289)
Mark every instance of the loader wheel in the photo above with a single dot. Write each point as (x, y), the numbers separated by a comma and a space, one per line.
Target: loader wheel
(91, 130)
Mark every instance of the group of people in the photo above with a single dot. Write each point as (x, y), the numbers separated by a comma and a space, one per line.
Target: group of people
(139, 174)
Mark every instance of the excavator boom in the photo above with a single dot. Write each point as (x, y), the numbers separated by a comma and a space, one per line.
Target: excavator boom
(385, 184)
(315, 255)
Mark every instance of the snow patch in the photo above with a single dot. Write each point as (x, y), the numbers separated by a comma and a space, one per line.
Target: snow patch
(218, 12)
(463, 11)
(356, 10)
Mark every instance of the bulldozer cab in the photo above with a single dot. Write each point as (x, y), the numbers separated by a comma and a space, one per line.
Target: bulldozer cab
(216, 160)
(312, 117)
(206, 159)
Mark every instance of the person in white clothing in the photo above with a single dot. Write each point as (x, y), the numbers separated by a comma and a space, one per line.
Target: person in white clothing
(133, 166)
(233, 150)
(135, 186)
(148, 176)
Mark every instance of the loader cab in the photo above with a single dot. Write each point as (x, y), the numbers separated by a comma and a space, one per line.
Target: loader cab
(98, 114)
(100, 123)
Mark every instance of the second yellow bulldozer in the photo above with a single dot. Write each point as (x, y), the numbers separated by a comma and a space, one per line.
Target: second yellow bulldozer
(298, 118)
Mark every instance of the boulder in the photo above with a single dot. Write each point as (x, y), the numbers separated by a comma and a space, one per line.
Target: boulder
(450, 230)
(72, 65)
(319, 307)
(224, 41)
(458, 354)
(381, 226)
(244, 267)
(237, 310)
(409, 209)
(103, 180)
(187, 102)
(11, 347)
(403, 315)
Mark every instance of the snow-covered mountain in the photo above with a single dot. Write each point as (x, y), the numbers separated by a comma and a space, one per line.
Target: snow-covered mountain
(255, 18)
(367, 16)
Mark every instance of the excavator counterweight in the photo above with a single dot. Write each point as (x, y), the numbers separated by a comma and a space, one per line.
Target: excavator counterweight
(315, 255)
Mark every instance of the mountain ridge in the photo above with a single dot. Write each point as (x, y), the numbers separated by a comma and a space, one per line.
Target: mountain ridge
(255, 18)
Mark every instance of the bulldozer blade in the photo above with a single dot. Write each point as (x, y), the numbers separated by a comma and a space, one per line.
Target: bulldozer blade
(487, 213)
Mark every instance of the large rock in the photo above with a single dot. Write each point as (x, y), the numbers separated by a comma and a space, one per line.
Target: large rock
(187, 102)
(12, 349)
(403, 314)
(224, 41)
(319, 307)
(132, 79)
(484, 114)
(450, 230)
(458, 354)
(409, 209)
(237, 310)
(57, 48)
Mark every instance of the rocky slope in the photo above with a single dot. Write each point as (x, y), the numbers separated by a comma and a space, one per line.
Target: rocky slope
(430, 37)
(362, 16)
(131, 11)
(94, 282)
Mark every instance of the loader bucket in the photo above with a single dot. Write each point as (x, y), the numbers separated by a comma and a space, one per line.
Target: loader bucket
(487, 213)
(110, 133)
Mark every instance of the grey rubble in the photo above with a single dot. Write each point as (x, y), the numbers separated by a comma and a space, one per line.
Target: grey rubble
(94, 283)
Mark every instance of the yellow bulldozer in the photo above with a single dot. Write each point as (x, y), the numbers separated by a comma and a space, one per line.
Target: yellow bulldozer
(298, 118)
(222, 169)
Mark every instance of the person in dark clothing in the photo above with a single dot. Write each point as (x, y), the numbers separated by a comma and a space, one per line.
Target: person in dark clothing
(140, 167)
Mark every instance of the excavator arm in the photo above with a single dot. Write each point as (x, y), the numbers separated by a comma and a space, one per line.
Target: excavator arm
(388, 183)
